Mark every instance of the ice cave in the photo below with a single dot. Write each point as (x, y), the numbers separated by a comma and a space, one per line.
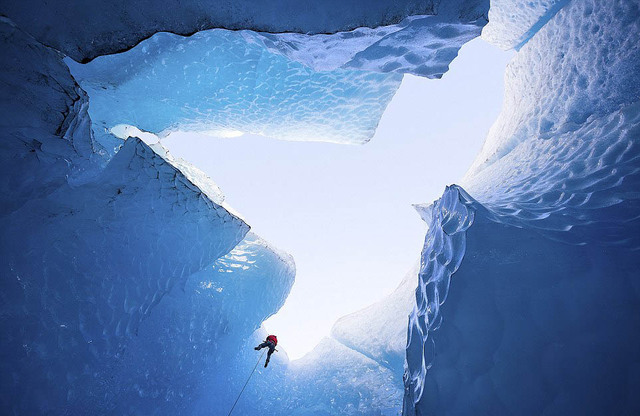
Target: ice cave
(130, 286)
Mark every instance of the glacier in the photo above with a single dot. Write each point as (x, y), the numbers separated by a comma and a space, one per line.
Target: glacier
(130, 286)
(528, 298)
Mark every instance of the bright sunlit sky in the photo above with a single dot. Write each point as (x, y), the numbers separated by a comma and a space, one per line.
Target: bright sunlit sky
(344, 212)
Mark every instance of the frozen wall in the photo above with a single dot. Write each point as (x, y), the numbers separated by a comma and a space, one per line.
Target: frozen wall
(323, 87)
(84, 30)
(128, 286)
(46, 133)
(541, 315)
(357, 370)
(190, 355)
(91, 249)
(223, 82)
(513, 23)
(110, 301)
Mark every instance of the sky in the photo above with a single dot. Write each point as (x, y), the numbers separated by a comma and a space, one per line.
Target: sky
(344, 212)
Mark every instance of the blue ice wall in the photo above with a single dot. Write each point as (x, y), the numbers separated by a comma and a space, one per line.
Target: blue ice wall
(526, 325)
(223, 82)
(84, 267)
(324, 87)
(110, 301)
(90, 249)
(46, 131)
(189, 356)
(356, 370)
(532, 305)
(84, 30)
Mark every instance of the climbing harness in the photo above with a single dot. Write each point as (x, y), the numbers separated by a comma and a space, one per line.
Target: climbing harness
(245, 384)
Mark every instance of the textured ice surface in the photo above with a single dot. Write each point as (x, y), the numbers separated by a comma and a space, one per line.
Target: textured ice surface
(84, 30)
(421, 45)
(219, 81)
(529, 325)
(117, 26)
(188, 355)
(513, 23)
(379, 331)
(542, 314)
(100, 307)
(101, 238)
(45, 128)
(84, 266)
(289, 86)
(564, 143)
(443, 252)
(358, 370)
(90, 251)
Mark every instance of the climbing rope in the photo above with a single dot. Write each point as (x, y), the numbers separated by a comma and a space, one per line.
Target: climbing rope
(245, 384)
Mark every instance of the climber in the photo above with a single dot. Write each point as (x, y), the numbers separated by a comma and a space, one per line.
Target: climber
(271, 343)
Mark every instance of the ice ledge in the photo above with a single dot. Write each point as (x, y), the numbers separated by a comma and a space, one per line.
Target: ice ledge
(84, 30)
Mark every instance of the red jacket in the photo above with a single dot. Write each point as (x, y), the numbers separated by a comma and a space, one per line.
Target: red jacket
(273, 339)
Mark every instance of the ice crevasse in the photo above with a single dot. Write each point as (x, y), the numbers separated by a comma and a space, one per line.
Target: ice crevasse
(130, 286)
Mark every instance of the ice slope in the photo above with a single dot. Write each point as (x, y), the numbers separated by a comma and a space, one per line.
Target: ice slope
(379, 330)
(357, 370)
(528, 299)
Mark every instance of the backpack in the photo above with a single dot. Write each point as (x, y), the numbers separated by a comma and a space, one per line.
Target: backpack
(273, 339)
